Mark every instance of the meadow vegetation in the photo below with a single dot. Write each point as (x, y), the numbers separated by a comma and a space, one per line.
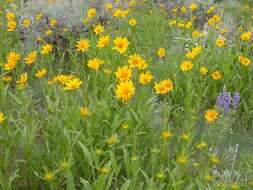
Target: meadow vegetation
(126, 94)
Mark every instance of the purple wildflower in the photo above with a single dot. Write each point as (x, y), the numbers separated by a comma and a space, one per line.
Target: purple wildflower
(236, 99)
(226, 101)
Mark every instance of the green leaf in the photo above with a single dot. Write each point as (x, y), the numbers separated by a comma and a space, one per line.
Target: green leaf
(70, 182)
(125, 186)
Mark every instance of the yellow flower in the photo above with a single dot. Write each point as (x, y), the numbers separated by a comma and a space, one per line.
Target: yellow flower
(125, 90)
(73, 84)
(65, 29)
(21, 83)
(193, 6)
(132, 3)
(216, 18)
(211, 9)
(166, 134)
(145, 78)
(91, 13)
(64, 165)
(53, 23)
(211, 115)
(224, 31)
(112, 140)
(136, 60)
(120, 13)
(216, 75)
(120, 44)
(82, 45)
(194, 52)
(63, 79)
(161, 52)
(188, 25)
(7, 78)
(39, 16)
(183, 10)
(95, 63)
(203, 71)
(9, 66)
(48, 176)
(39, 39)
(98, 29)
(213, 20)
(240, 29)
(109, 7)
(246, 36)
(214, 160)
(41, 73)
(12, 56)
(172, 22)
(104, 170)
(10, 16)
(49, 32)
(123, 73)
(201, 146)
(182, 160)
(181, 25)
(46, 49)
(26, 22)
(244, 60)
(220, 42)
(190, 55)
(30, 58)
(12, 60)
(84, 112)
(132, 22)
(125, 126)
(2, 117)
(103, 41)
(164, 87)
(185, 136)
(197, 34)
(186, 66)
(209, 178)
(11, 25)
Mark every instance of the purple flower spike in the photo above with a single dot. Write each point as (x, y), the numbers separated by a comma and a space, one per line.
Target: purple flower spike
(224, 100)
(236, 99)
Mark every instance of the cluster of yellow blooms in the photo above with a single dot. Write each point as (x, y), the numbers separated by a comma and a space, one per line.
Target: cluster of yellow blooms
(95, 63)
(244, 60)
(69, 81)
(164, 86)
(214, 20)
(246, 36)
(12, 60)
(11, 23)
(194, 52)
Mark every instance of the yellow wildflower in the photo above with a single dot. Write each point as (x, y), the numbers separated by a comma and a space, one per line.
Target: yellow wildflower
(120, 44)
(123, 73)
(125, 90)
(211, 115)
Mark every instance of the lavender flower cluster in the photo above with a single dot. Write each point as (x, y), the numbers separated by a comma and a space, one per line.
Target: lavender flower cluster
(227, 101)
